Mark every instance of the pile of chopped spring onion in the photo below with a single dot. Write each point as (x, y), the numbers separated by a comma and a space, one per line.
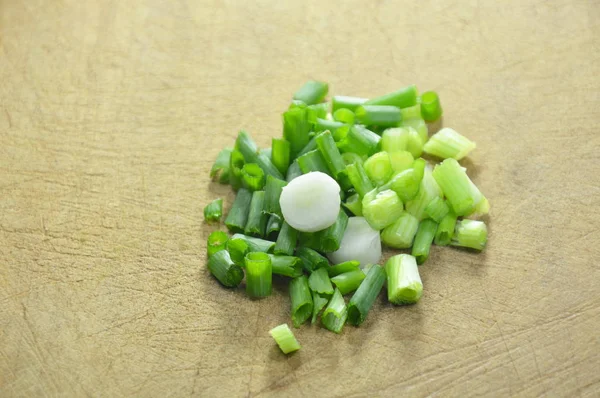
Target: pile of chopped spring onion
(315, 208)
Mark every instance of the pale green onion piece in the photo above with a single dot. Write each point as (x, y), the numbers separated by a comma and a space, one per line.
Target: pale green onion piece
(462, 195)
(354, 204)
(358, 178)
(428, 190)
(447, 143)
(334, 316)
(394, 139)
(403, 280)
(381, 209)
(420, 126)
(401, 233)
(379, 168)
(401, 160)
(471, 234)
(481, 209)
(445, 230)
(437, 209)
(423, 240)
(360, 243)
(284, 338)
(411, 112)
(406, 184)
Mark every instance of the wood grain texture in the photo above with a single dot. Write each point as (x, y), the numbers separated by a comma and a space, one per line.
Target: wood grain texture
(111, 113)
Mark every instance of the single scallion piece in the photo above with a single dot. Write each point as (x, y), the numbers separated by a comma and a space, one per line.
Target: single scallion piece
(471, 234)
(414, 142)
(217, 241)
(358, 178)
(379, 168)
(329, 239)
(311, 260)
(224, 269)
(437, 209)
(220, 169)
(319, 302)
(256, 244)
(326, 124)
(274, 224)
(348, 281)
(286, 240)
(313, 161)
(405, 184)
(319, 282)
(236, 164)
(362, 301)
(335, 315)
(401, 233)
(462, 195)
(481, 209)
(342, 268)
(267, 152)
(214, 210)
(419, 125)
(428, 190)
(394, 140)
(284, 338)
(330, 153)
(253, 177)
(293, 171)
(431, 109)
(286, 265)
(381, 209)
(237, 248)
(423, 240)
(345, 102)
(295, 129)
(401, 160)
(402, 98)
(404, 284)
(354, 204)
(312, 92)
(302, 304)
(445, 230)
(447, 143)
(257, 219)
(411, 112)
(316, 111)
(238, 215)
(359, 140)
(297, 104)
(273, 190)
(248, 148)
(352, 158)
(280, 154)
(360, 243)
(344, 115)
(378, 115)
(259, 274)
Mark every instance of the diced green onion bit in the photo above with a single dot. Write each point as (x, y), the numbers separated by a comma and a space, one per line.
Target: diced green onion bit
(217, 241)
(297, 104)
(257, 219)
(431, 109)
(293, 171)
(437, 209)
(284, 338)
(345, 102)
(381, 209)
(256, 244)
(319, 282)
(481, 209)
(419, 125)
(342, 268)
(462, 195)
(273, 226)
(248, 148)
(362, 301)
(311, 146)
(312, 161)
(214, 210)
(267, 152)
(334, 316)
(220, 169)
(253, 178)
(378, 115)
(236, 163)
(379, 168)
(403, 280)
(447, 143)
(316, 111)
(326, 124)
(348, 281)
(237, 248)
(359, 179)
(358, 139)
(405, 184)
(286, 265)
(423, 240)
(394, 140)
(273, 190)
(344, 115)
(401, 160)
(402, 98)
(330, 153)
(259, 274)
(428, 190)
(401, 233)
(224, 269)
(411, 112)
(471, 234)
(238, 215)
(354, 204)
(312, 92)
(311, 260)
(445, 230)
(280, 154)
(302, 304)
(319, 302)
(352, 158)
(286, 241)
(296, 129)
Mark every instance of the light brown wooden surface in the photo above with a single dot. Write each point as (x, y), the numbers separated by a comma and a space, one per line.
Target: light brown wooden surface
(111, 113)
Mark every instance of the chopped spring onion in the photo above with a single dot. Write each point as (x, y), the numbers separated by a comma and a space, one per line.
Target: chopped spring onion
(330, 153)
(267, 152)
(463, 196)
(286, 241)
(214, 210)
(220, 169)
(345, 102)
(311, 260)
(471, 234)
(381, 209)
(428, 190)
(256, 244)
(362, 301)
(311, 146)
(342, 268)
(237, 248)
(348, 281)
(334, 316)
(423, 240)
(236, 163)
(358, 178)
(319, 282)
(312, 92)
(311, 202)
(248, 148)
(286, 265)
(293, 171)
(313, 161)
(445, 230)
(273, 226)
(360, 243)
(354, 204)
(414, 142)
(447, 143)
(411, 112)
(379, 168)
(302, 304)
(238, 215)
(352, 158)
(344, 115)
(437, 209)
(217, 241)
(401, 233)
(359, 140)
(257, 219)
(394, 139)
(401, 160)
(319, 302)
(224, 269)
(284, 338)
(316, 111)
(403, 280)
(481, 209)
(329, 239)
(273, 190)
(296, 129)
(253, 178)
(402, 98)
(297, 104)
(280, 154)
(405, 184)
(326, 124)
(431, 109)
(259, 274)
(378, 115)
(419, 125)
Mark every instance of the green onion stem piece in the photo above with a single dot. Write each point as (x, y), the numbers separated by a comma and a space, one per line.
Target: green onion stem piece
(319, 302)
(354, 204)
(302, 304)
(381, 209)
(423, 240)
(402, 98)
(293, 171)
(345, 102)
(401, 160)
(237, 248)
(236, 164)
(284, 338)
(481, 209)
(325, 124)
(362, 301)
(273, 225)
(414, 142)
(329, 239)
(403, 280)
(379, 168)
(447, 143)
(330, 153)
(280, 154)
(319, 282)
(401, 233)
(445, 230)
(238, 215)
(344, 267)
(312, 92)
(256, 244)
(419, 125)
(359, 179)
(214, 210)
(344, 115)
(471, 234)
(259, 274)
(311, 260)
(335, 315)
(257, 219)
(348, 281)
(224, 269)
(295, 129)
(359, 140)
(311, 146)
(462, 195)
(253, 177)
(431, 109)
(437, 209)
(378, 115)
(412, 112)
(273, 190)
(217, 241)
(316, 111)
(286, 241)
(286, 265)
(351, 158)
(297, 104)
(394, 140)
(419, 167)
(313, 161)
(267, 152)
(428, 190)
(220, 169)
(248, 148)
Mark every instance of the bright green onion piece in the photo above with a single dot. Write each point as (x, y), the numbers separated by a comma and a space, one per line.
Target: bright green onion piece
(220, 169)
(354, 204)
(445, 230)
(286, 265)
(273, 225)
(319, 302)
(358, 178)
(237, 248)
(394, 140)
(253, 177)
(286, 241)
(345, 102)
(311, 260)
(412, 112)
(381, 209)
(344, 267)
(329, 239)
(238, 215)
(273, 190)
(462, 195)
(401, 160)
(259, 274)
(214, 210)
(293, 171)
(362, 301)
(248, 148)
(280, 154)
(428, 190)
(236, 163)
(447, 143)
(295, 129)
(257, 219)
(437, 209)
(335, 315)
(316, 111)
(358, 139)
(344, 115)
(404, 284)
(423, 240)
(302, 304)
(313, 161)
(331, 125)
(311, 146)
(471, 234)
(401, 233)
(297, 104)
(224, 269)
(348, 281)
(284, 338)
(312, 92)
(319, 282)
(420, 126)
(378, 115)
(431, 109)
(256, 244)
(379, 168)
(217, 241)
(330, 153)
(402, 98)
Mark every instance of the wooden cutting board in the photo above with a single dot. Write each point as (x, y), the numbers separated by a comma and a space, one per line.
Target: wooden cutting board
(112, 112)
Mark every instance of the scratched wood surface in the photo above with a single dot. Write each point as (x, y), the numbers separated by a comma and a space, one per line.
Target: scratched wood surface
(113, 111)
